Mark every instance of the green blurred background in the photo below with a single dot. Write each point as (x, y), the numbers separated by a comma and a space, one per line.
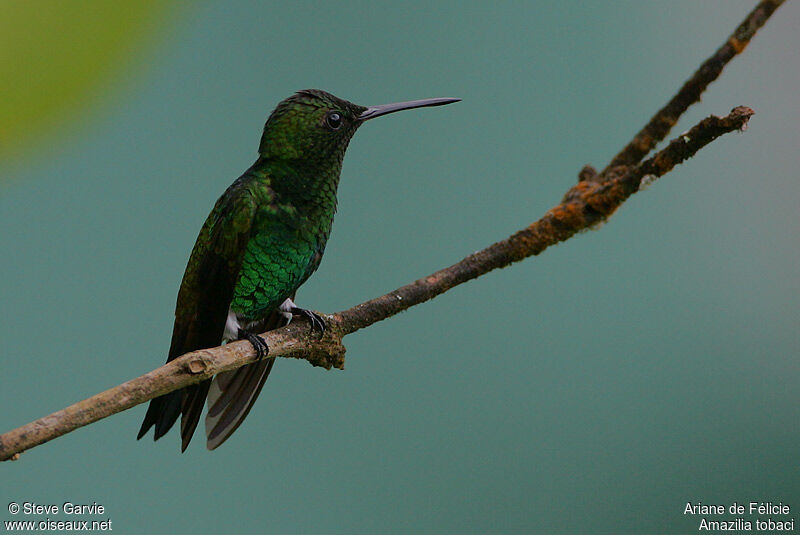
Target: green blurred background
(595, 389)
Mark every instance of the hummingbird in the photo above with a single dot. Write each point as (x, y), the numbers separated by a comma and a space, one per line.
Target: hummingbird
(262, 240)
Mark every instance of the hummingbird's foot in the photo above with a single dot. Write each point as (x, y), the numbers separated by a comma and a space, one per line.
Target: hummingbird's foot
(258, 343)
(317, 321)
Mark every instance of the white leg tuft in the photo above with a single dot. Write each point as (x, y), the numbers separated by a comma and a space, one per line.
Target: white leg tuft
(232, 327)
(286, 309)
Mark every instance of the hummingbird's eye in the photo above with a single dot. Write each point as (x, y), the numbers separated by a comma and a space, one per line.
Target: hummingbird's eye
(333, 120)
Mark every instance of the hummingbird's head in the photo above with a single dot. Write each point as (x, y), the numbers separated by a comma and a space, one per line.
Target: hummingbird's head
(315, 126)
(310, 125)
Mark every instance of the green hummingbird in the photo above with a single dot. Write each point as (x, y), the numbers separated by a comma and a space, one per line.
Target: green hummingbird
(263, 239)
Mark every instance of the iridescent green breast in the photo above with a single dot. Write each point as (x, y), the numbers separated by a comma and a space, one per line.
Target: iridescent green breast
(276, 262)
(285, 247)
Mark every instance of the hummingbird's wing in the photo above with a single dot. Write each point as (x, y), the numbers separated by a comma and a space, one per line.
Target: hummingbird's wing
(203, 301)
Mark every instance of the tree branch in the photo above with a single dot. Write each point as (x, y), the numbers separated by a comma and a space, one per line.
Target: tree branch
(583, 206)
(592, 200)
(663, 121)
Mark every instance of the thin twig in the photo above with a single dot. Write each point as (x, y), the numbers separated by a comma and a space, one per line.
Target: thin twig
(663, 121)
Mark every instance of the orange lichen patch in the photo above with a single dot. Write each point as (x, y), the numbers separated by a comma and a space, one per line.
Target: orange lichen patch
(737, 44)
(578, 191)
(570, 214)
(607, 203)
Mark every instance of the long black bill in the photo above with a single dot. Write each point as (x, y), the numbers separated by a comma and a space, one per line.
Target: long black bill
(377, 111)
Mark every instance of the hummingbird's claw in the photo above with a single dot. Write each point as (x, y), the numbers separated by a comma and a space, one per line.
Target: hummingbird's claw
(258, 343)
(317, 321)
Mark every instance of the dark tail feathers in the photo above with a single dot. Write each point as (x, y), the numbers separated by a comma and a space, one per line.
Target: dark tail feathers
(163, 412)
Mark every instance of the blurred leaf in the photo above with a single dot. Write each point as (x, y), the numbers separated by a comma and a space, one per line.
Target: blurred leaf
(54, 53)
